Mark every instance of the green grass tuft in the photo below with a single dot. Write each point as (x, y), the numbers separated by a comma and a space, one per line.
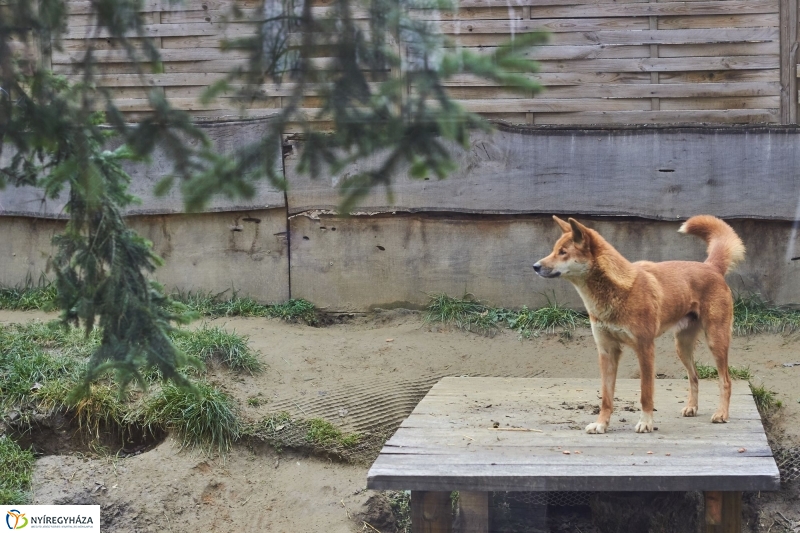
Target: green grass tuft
(29, 298)
(705, 371)
(324, 433)
(400, 503)
(751, 314)
(464, 313)
(212, 342)
(294, 310)
(16, 467)
(215, 305)
(765, 398)
(469, 314)
(206, 418)
(547, 319)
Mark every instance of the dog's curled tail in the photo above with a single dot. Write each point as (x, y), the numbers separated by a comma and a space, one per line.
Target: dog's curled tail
(725, 248)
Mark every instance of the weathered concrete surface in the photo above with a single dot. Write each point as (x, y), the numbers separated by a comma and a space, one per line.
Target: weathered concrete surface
(653, 173)
(225, 136)
(234, 251)
(25, 249)
(356, 263)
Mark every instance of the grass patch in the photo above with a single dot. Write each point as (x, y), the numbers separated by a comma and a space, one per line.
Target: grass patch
(29, 298)
(766, 399)
(16, 467)
(469, 314)
(41, 365)
(216, 305)
(212, 342)
(324, 433)
(315, 435)
(705, 371)
(205, 418)
(751, 314)
(400, 502)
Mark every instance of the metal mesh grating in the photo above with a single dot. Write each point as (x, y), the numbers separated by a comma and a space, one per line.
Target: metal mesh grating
(559, 499)
(788, 460)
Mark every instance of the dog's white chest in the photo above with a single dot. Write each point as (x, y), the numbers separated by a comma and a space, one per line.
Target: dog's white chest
(614, 330)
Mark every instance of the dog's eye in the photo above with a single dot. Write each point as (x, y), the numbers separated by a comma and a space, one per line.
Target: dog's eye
(562, 252)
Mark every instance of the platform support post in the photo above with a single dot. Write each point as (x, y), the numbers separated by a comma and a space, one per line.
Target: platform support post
(723, 512)
(473, 512)
(431, 512)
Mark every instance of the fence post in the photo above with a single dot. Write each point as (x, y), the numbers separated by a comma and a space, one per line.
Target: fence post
(788, 44)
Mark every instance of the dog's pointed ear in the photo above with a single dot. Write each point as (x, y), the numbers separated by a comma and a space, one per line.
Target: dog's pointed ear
(579, 232)
(565, 227)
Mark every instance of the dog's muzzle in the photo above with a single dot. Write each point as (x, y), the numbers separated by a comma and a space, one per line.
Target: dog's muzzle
(545, 272)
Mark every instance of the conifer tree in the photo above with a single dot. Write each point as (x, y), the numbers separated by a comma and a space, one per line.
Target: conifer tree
(54, 134)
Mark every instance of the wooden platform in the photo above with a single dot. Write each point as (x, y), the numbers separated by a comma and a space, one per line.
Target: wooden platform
(520, 434)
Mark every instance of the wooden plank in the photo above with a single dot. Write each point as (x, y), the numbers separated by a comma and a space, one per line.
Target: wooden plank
(670, 90)
(725, 49)
(87, 6)
(620, 37)
(512, 171)
(541, 53)
(658, 64)
(542, 105)
(440, 456)
(719, 21)
(555, 79)
(470, 13)
(431, 512)
(769, 75)
(642, 9)
(730, 102)
(553, 25)
(728, 116)
(171, 30)
(538, 477)
(167, 55)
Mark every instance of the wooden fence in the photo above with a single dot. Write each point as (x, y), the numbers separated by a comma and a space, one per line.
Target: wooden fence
(606, 62)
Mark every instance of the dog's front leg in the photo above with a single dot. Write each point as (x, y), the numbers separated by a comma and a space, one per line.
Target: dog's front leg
(647, 367)
(609, 354)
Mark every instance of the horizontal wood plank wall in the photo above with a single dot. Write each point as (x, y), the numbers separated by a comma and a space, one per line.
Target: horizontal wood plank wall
(620, 62)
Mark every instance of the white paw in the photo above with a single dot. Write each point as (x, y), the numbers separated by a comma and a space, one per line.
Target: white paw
(689, 410)
(645, 424)
(596, 427)
(719, 418)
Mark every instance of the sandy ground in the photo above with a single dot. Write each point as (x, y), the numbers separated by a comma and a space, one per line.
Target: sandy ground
(367, 369)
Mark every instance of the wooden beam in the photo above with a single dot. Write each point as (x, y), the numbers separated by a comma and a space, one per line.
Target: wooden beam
(473, 512)
(788, 50)
(723, 512)
(431, 512)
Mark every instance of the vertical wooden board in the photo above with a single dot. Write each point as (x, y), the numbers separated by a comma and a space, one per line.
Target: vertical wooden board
(430, 512)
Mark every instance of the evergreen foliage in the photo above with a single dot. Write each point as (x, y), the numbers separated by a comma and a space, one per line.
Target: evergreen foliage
(54, 136)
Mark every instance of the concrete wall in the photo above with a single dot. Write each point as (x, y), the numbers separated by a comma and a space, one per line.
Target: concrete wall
(477, 232)
(397, 260)
(362, 262)
(234, 251)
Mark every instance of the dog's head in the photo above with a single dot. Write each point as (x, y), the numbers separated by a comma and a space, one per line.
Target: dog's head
(571, 256)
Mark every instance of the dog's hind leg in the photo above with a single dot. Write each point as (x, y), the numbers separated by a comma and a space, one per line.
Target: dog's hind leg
(609, 353)
(685, 340)
(718, 337)
(647, 366)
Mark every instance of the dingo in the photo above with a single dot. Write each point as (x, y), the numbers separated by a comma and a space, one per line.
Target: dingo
(630, 304)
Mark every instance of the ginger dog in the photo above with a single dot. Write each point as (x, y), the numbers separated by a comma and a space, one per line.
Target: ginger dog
(630, 304)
